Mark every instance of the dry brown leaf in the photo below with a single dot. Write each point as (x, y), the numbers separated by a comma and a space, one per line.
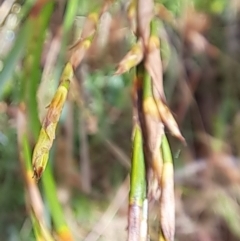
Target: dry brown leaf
(158, 166)
(155, 131)
(167, 203)
(79, 50)
(168, 120)
(160, 111)
(90, 25)
(144, 17)
(153, 65)
(131, 59)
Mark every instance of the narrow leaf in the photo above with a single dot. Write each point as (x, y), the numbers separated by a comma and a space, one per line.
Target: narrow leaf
(137, 187)
(167, 202)
(79, 50)
(168, 120)
(13, 57)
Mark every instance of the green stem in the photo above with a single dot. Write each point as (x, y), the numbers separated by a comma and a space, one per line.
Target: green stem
(138, 172)
(166, 150)
(137, 187)
(53, 203)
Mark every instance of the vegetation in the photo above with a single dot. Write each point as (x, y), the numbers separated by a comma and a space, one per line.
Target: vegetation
(101, 102)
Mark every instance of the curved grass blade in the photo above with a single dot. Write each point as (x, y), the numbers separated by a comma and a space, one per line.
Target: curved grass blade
(47, 133)
(13, 57)
(34, 201)
(38, 21)
(62, 230)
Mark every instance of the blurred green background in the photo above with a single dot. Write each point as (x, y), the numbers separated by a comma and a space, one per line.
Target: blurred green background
(90, 159)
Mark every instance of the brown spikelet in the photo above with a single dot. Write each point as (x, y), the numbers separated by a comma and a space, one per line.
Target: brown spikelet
(131, 59)
(168, 120)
